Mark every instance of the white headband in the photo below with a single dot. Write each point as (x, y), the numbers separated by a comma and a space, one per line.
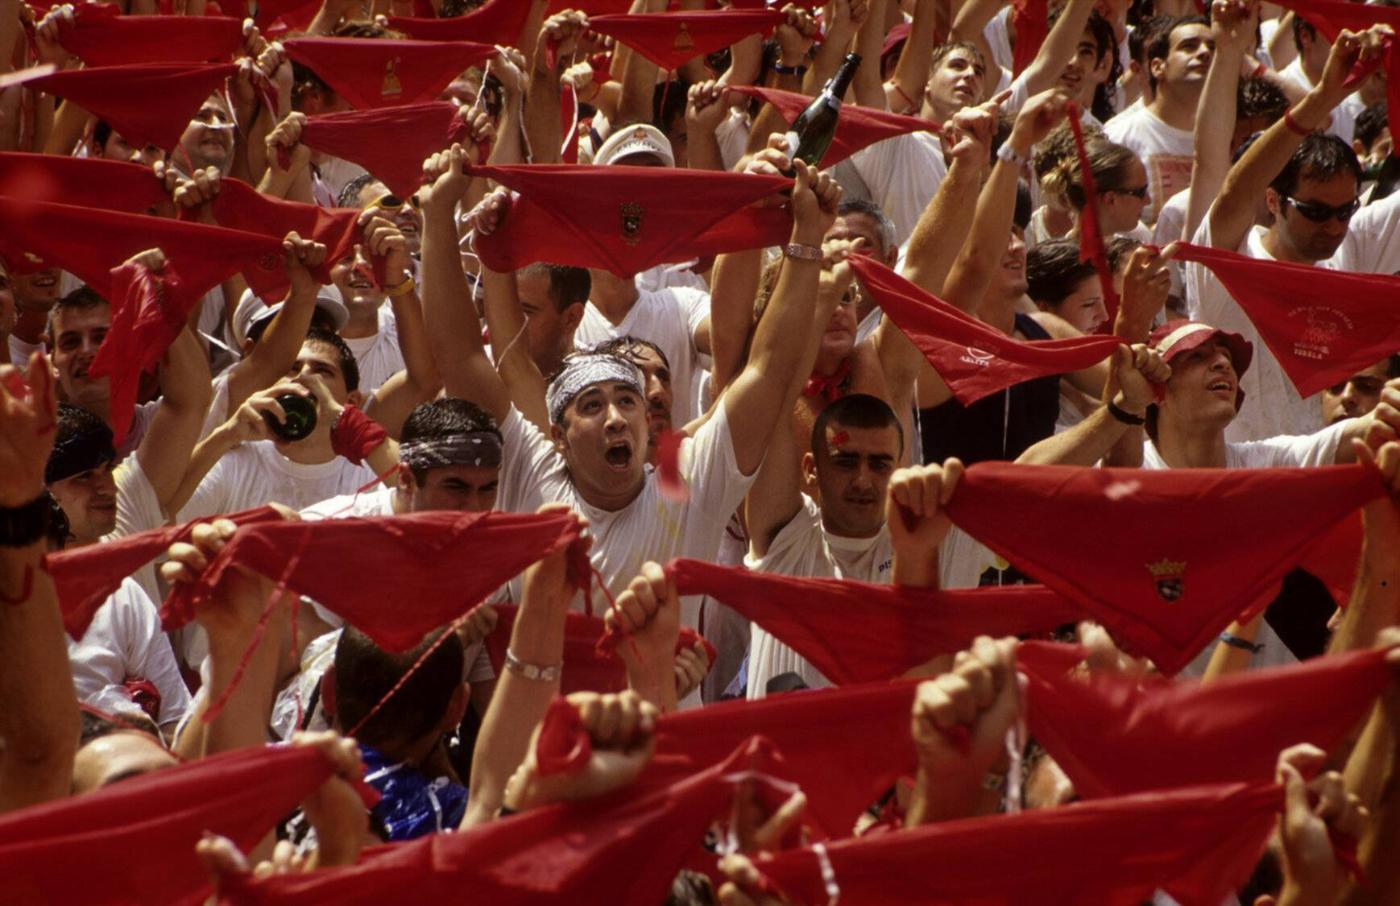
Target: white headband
(583, 371)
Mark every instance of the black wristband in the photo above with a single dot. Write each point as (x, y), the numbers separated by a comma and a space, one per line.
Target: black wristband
(1235, 641)
(21, 526)
(798, 70)
(1126, 418)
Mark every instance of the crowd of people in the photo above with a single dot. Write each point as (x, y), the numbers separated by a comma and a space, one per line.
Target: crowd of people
(476, 449)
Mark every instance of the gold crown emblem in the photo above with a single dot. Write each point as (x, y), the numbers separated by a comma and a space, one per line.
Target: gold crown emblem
(1164, 568)
(683, 39)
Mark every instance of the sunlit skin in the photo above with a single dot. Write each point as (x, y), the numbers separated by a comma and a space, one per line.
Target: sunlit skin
(549, 332)
(1355, 396)
(1202, 390)
(77, 334)
(116, 757)
(957, 82)
(603, 439)
(407, 215)
(208, 139)
(1121, 209)
(851, 473)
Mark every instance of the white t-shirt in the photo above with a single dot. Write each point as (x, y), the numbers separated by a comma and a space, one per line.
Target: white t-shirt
(138, 510)
(1164, 150)
(378, 355)
(804, 548)
(125, 640)
(256, 473)
(903, 174)
(1304, 451)
(1170, 226)
(20, 352)
(669, 318)
(733, 137)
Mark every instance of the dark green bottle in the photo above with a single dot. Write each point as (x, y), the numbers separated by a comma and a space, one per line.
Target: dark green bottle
(811, 133)
(301, 417)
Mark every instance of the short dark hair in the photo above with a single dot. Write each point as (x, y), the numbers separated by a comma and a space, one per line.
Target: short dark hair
(668, 99)
(82, 442)
(948, 47)
(1118, 249)
(1140, 38)
(567, 285)
(884, 226)
(1161, 44)
(1370, 123)
(444, 418)
(94, 724)
(1022, 215)
(365, 674)
(1319, 157)
(1259, 98)
(101, 131)
(1105, 41)
(622, 347)
(857, 410)
(349, 368)
(1053, 270)
(84, 298)
(349, 196)
(1302, 27)
(1392, 366)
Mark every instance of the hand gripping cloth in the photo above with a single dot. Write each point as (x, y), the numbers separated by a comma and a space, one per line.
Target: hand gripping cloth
(974, 359)
(858, 127)
(628, 219)
(856, 632)
(1163, 559)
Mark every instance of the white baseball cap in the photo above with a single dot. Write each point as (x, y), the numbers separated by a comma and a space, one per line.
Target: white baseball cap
(640, 138)
(328, 300)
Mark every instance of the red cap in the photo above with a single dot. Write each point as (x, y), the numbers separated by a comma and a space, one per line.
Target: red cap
(897, 36)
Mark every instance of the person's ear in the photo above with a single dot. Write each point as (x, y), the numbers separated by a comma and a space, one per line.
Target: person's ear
(1271, 198)
(1158, 67)
(408, 482)
(561, 445)
(356, 398)
(572, 317)
(809, 468)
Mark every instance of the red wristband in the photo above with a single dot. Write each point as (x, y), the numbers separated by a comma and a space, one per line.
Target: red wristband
(1259, 71)
(354, 435)
(1293, 125)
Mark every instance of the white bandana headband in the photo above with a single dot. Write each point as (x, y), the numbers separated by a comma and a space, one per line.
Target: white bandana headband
(583, 371)
(474, 448)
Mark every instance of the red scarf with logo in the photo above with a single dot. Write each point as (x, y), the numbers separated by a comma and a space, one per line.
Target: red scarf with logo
(389, 142)
(974, 359)
(374, 72)
(1197, 844)
(670, 39)
(856, 632)
(1114, 735)
(1176, 553)
(628, 219)
(1322, 325)
(859, 127)
(101, 37)
(146, 103)
(494, 22)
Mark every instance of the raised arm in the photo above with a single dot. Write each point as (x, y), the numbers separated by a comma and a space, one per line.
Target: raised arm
(185, 389)
(917, 516)
(1232, 27)
(560, 31)
(1232, 214)
(1059, 47)
(505, 322)
(795, 35)
(454, 328)
(639, 77)
(867, 87)
(648, 615)
(905, 92)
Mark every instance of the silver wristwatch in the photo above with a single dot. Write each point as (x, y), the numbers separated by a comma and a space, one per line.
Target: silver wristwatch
(531, 671)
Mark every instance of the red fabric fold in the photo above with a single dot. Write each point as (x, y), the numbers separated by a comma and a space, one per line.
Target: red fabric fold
(1178, 553)
(974, 359)
(413, 573)
(1115, 735)
(670, 39)
(1322, 325)
(628, 219)
(389, 142)
(133, 842)
(146, 103)
(148, 312)
(1198, 844)
(1091, 248)
(102, 38)
(855, 632)
(621, 848)
(859, 127)
(375, 72)
(1335, 558)
(1031, 19)
(84, 576)
(93, 182)
(494, 22)
(563, 746)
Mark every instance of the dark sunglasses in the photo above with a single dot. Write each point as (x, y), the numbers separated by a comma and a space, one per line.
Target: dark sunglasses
(394, 202)
(1318, 212)
(1140, 193)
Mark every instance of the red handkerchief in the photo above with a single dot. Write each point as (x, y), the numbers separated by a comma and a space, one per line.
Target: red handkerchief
(1114, 735)
(859, 127)
(85, 576)
(973, 359)
(90, 181)
(1336, 556)
(494, 22)
(855, 632)
(1030, 18)
(628, 219)
(1331, 16)
(1322, 325)
(373, 72)
(414, 573)
(148, 312)
(390, 142)
(1091, 247)
(148, 827)
(147, 103)
(1198, 844)
(102, 38)
(670, 39)
(1164, 559)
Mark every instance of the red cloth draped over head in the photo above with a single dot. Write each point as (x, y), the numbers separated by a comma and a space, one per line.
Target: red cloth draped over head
(390, 142)
(145, 103)
(1197, 844)
(413, 573)
(859, 127)
(1091, 248)
(670, 39)
(1031, 19)
(844, 747)
(494, 22)
(100, 37)
(375, 72)
(91, 181)
(1115, 735)
(1322, 325)
(974, 359)
(133, 842)
(587, 668)
(84, 576)
(855, 632)
(625, 847)
(1164, 559)
(628, 219)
